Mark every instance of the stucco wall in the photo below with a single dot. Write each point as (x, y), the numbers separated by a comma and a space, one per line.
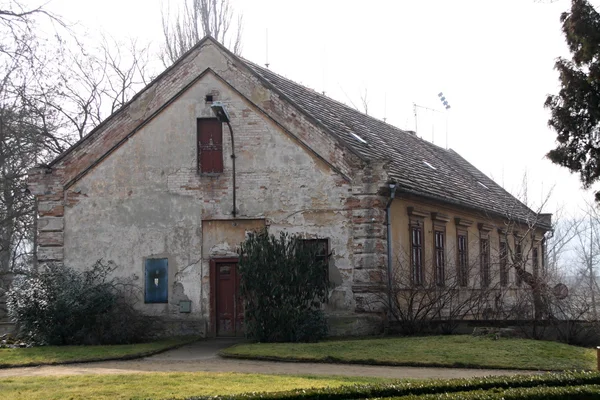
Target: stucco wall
(497, 230)
(147, 199)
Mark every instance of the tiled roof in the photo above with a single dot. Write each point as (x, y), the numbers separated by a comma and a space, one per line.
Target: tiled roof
(418, 166)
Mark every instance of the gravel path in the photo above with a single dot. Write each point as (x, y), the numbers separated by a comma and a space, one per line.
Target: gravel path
(202, 356)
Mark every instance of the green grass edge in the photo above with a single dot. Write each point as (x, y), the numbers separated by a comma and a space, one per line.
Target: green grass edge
(334, 360)
(126, 357)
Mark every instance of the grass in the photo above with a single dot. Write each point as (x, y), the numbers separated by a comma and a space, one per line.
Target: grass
(162, 385)
(48, 355)
(439, 351)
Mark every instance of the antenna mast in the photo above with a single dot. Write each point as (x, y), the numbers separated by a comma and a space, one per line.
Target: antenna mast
(267, 48)
(385, 107)
(416, 119)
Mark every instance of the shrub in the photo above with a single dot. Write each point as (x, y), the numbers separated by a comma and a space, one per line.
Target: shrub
(586, 392)
(283, 282)
(59, 306)
(312, 326)
(447, 389)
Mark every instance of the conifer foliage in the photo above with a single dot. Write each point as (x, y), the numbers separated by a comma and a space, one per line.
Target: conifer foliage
(575, 110)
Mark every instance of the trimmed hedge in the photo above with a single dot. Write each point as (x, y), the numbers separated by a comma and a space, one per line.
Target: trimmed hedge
(587, 392)
(416, 388)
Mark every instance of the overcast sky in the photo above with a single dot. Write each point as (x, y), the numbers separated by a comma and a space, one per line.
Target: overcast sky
(493, 60)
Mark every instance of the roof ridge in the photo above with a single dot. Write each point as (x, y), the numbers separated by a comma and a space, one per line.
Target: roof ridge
(354, 110)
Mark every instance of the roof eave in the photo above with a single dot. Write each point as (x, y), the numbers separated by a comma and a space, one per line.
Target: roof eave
(491, 213)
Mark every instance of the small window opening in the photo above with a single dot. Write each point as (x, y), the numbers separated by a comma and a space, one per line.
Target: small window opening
(209, 98)
(322, 255)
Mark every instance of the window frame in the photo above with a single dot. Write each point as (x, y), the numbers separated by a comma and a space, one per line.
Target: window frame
(503, 262)
(519, 259)
(324, 258)
(484, 255)
(439, 254)
(535, 260)
(162, 300)
(416, 254)
(417, 250)
(439, 221)
(200, 151)
(462, 257)
(544, 250)
(484, 261)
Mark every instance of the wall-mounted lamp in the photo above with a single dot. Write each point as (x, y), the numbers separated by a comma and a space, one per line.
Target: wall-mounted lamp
(220, 111)
(222, 115)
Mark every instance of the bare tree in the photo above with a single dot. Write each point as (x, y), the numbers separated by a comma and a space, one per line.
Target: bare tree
(53, 91)
(364, 99)
(196, 19)
(25, 137)
(94, 82)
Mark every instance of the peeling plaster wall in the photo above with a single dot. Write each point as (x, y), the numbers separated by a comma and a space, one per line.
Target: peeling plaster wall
(147, 199)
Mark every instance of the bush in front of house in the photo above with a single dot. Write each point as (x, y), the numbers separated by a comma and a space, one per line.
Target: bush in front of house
(61, 306)
(284, 282)
(565, 385)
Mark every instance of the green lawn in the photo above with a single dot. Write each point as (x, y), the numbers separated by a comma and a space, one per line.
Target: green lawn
(442, 351)
(62, 354)
(161, 385)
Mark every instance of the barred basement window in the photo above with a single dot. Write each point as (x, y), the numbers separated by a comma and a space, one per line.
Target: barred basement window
(210, 145)
(440, 258)
(156, 280)
(417, 254)
(463, 256)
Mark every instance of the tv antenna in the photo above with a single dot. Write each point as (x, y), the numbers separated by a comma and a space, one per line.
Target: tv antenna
(430, 110)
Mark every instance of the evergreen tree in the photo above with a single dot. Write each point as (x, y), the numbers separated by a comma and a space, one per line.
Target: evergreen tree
(576, 108)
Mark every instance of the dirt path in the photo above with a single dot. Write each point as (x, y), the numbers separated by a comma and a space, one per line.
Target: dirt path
(202, 356)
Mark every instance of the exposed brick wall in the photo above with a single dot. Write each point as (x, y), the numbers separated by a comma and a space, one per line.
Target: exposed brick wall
(368, 208)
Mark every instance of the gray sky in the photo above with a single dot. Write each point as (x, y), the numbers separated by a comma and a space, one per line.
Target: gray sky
(492, 58)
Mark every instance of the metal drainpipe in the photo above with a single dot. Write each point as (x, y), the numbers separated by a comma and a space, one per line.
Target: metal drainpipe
(233, 165)
(389, 246)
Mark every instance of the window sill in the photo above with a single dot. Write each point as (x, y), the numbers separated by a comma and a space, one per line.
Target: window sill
(210, 174)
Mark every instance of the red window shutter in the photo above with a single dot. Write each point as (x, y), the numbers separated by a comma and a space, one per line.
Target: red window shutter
(210, 146)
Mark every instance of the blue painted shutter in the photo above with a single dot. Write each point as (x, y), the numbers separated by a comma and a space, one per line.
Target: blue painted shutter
(157, 285)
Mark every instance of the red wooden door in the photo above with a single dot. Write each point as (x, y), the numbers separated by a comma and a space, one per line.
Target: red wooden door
(229, 311)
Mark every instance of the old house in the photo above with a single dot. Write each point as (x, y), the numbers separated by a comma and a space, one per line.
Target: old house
(215, 146)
